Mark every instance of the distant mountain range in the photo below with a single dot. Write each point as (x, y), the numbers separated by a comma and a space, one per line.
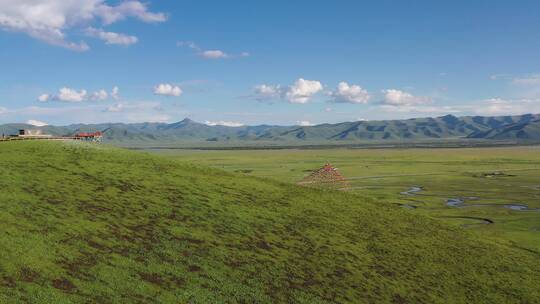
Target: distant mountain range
(188, 132)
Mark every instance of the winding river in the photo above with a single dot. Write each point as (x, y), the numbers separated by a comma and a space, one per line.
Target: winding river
(460, 202)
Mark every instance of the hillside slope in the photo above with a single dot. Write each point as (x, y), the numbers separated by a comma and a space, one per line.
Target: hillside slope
(529, 130)
(96, 224)
(411, 130)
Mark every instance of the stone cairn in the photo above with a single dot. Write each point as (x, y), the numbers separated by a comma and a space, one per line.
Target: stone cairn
(326, 177)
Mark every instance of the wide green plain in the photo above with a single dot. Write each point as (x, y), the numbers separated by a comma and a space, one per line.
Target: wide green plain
(487, 179)
(93, 224)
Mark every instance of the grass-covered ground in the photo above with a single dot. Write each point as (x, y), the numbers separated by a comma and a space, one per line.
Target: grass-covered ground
(489, 177)
(102, 225)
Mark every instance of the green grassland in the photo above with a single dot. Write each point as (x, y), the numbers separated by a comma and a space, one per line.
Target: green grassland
(92, 224)
(500, 176)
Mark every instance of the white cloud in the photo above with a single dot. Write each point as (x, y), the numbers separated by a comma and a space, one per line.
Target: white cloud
(265, 92)
(66, 94)
(214, 54)
(304, 123)
(99, 95)
(71, 95)
(166, 89)
(301, 91)
(209, 54)
(224, 123)
(51, 20)
(44, 97)
(36, 123)
(130, 8)
(400, 98)
(111, 37)
(115, 108)
(346, 93)
(115, 93)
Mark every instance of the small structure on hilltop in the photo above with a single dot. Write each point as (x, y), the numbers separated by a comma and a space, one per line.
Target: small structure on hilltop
(39, 135)
(90, 136)
(33, 134)
(327, 177)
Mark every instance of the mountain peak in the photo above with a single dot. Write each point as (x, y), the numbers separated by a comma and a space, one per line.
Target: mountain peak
(186, 121)
(450, 119)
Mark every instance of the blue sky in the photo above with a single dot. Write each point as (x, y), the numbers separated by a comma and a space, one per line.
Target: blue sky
(273, 62)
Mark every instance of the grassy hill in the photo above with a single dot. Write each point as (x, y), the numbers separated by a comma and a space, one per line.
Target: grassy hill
(521, 130)
(191, 133)
(97, 224)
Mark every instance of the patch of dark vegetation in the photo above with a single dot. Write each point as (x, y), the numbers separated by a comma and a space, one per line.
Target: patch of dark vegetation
(481, 219)
(245, 171)
(98, 246)
(64, 285)
(493, 174)
(78, 267)
(54, 201)
(7, 281)
(262, 244)
(194, 268)
(153, 278)
(406, 206)
(399, 299)
(127, 187)
(28, 275)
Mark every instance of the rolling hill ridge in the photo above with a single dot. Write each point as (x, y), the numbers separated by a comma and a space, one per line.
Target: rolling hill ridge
(522, 127)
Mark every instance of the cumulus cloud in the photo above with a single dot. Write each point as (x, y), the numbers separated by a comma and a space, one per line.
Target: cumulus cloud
(224, 123)
(265, 92)
(71, 95)
(99, 95)
(111, 37)
(346, 93)
(44, 97)
(209, 54)
(66, 94)
(301, 91)
(36, 123)
(214, 54)
(136, 9)
(51, 20)
(167, 89)
(400, 98)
